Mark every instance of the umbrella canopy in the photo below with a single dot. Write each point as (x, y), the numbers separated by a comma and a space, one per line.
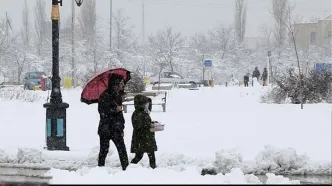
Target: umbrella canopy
(98, 84)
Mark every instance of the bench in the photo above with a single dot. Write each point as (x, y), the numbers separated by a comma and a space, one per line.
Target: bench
(129, 99)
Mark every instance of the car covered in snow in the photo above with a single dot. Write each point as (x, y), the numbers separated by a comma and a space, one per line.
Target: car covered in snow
(32, 79)
(172, 77)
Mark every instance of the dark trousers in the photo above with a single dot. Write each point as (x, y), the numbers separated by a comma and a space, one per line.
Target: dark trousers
(120, 146)
(246, 83)
(152, 159)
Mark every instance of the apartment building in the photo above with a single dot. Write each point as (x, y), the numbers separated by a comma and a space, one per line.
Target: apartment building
(314, 34)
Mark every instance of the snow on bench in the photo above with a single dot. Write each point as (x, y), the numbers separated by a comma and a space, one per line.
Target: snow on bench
(129, 99)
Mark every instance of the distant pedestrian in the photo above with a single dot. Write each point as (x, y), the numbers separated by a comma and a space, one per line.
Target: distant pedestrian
(255, 74)
(246, 80)
(264, 77)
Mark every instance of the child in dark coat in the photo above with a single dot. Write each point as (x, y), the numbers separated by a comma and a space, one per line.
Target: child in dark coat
(143, 140)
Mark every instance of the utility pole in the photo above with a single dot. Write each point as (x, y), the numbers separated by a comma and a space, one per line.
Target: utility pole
(268, 67)
(111, 12)
(203, 70)
(143, 23)
(73, 76)
(7, 32)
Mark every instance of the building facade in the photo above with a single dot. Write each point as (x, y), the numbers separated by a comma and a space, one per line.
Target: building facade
(314, 34)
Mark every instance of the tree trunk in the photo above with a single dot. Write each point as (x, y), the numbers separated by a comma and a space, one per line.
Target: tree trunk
(171, 64)
(299, 67)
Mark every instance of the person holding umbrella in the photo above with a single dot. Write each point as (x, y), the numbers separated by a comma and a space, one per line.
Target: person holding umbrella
(107, 89)
(112, 122)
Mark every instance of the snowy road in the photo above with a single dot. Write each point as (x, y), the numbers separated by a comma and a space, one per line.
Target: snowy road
(36, 176)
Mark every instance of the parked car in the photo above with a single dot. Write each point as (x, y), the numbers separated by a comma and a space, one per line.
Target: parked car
(32, 79)
(172, 77)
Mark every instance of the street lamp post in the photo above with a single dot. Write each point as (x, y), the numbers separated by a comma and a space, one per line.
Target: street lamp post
(268, 67)
(56, 109)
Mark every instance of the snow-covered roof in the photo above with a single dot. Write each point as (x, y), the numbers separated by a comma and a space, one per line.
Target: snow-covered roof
(328, 17)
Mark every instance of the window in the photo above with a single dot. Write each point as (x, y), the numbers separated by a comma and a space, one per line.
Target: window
(313, 38)
(35, 75)
(329, 35)
(175, 75)
(167, 75)
(162, 75)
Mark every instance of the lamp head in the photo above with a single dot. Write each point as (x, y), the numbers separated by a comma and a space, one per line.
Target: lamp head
(79, 2)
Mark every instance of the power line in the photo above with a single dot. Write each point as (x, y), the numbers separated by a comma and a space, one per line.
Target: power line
(172, 2)
(184, 2)
(191, 2)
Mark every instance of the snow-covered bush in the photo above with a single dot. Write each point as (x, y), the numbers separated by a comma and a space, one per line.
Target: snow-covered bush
(276, 160)
(275, 95)
(273, 179)
(252, 179)
(168, 159)
(136, 83)
(92, 159)
(21, 156)
(29, 155)
(235, 176)
(18, 93)
(3, 157)
(227, 159)
(316, 88)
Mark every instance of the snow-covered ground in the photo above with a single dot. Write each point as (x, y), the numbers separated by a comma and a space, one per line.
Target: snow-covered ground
(222, 127)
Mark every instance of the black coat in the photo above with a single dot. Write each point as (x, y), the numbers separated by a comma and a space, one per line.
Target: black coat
(256, 74)
(143, 140)
(264, 76)
(246, 78)
(111, 123)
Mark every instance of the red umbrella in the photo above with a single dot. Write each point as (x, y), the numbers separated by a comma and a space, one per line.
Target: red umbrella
(98, 84)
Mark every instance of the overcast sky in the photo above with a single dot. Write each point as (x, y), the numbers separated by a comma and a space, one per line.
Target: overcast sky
(187, 16)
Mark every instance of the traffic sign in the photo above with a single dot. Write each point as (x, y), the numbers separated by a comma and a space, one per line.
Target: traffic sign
(208, 63)
(322, 67)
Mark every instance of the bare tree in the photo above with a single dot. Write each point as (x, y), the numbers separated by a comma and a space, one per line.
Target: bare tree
(221, 38)
(280, 15)
(2, 35)
(289, 23)
(17, 52)
(240, 19)
(200, 46)
(168, 44)
(160, 59)
(88, 19)
(2, 44)
(124, 36)
(40, 24)
(88, 25)
(25, 31)
(17, 57)
(266, 32)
